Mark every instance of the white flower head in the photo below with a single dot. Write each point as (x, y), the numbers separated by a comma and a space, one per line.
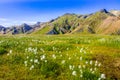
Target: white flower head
(103, 76)
(10, 51)
(63, 62)
(99, 64)
(81, 75)
(42, 57)
(74, 73)
(79, 66)
(54, 57)
(81, 58)
(31, 60)
(86, 62)
(36, 61)
(91, 62)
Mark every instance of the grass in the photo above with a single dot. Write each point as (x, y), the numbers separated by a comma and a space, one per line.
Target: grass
(60, 57)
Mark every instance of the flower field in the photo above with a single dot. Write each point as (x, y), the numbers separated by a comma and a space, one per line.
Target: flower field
(60, 57)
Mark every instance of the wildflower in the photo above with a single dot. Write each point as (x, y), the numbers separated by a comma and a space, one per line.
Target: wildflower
(74, 73)
(79, 66)
(27, 57)
(45, 61)
(31, 60)
(59, 51)
(91, 62)
(71, 67)
(95, 64)
(42, 57)
(81, 71)
(91, 69)
(67, 49)
(96, 61)
(25, 62)
(69, 58)
(84, 66)
(99, 78)
(99, 64)
(95, 68)
(8, 54)
(103, 76)
(81, 50)
(36, 61)
(53, 48)
(31, 67)
(61, 55)
(81, 75)
(80, 58)
(10, 51)
(54, 56)
(63, 61)
(85, 52)
(86, 62)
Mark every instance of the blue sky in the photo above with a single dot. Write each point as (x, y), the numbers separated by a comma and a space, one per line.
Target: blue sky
(15, 12)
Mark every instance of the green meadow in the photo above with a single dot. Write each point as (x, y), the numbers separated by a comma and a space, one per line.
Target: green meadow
(60, 57)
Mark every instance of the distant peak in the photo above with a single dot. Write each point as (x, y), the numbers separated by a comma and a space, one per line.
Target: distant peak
(69, 14)
(104, 11)
(24, 24)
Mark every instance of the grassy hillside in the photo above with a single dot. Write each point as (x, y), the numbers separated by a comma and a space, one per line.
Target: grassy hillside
(62, 57)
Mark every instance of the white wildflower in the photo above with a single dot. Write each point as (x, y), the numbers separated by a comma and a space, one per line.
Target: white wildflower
(84, 66)
(74, 73)
(69, 58)
(63, 62)
(95, 68)
(91, 62)
(86, 62)
(99, 78)
(81, 75)
(42, 57)
(91, 69)
(31, 60)
(99, 64)
(79, 66)
(54, 57)
(45, 60)
(103, 76)
(10, 51)
(36, 61)
(81, 58)
(25, 62)
(27, 57)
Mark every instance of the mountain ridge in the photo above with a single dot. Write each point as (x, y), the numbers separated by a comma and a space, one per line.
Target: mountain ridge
(100, 22)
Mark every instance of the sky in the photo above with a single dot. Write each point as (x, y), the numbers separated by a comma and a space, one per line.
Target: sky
(16, 12)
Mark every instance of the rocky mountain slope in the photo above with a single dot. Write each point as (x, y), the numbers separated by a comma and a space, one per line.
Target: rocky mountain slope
(100, 22)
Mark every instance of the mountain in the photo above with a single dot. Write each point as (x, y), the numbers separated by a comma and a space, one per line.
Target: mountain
(115, 12)
(100, 22)
(2, 29)
(21, 29)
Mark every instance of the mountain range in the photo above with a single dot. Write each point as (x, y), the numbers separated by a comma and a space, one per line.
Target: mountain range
(100, 22)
